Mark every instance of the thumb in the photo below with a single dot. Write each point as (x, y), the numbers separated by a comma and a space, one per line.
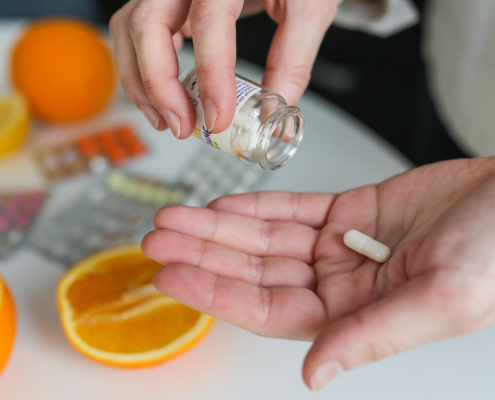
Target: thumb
(428, 308)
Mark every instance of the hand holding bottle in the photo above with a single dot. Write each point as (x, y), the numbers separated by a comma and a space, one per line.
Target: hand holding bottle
(146, 32)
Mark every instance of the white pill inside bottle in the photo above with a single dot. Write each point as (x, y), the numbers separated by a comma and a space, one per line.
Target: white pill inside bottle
(246, 144)
(246, 122)
(366, 246)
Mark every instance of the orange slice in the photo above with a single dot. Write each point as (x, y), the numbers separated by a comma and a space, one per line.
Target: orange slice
(14, 118)
(7, 324)
(112, 313)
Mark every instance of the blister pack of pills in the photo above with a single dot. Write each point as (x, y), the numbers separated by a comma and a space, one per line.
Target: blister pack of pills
(213, 174)
(18, 210)
(118, 209)
(95, 153)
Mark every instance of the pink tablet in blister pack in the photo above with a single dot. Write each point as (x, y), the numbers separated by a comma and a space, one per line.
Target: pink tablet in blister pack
(18, 209)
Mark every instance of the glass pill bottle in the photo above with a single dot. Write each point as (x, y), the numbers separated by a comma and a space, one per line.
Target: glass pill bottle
(265, 130)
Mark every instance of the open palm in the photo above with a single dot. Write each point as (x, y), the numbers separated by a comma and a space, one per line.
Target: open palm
(275, 263)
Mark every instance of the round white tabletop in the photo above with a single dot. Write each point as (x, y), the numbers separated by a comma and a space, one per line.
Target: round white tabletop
(337, 153)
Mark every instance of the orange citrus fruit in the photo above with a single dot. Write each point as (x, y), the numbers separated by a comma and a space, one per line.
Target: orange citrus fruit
(64, 69)
(112, 313)
(14, 120)
(7, 324)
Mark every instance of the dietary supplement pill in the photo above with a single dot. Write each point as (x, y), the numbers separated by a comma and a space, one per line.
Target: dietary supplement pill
(366, 246)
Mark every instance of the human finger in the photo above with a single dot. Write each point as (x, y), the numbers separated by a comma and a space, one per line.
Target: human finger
(425, 309)
(169, 247)
(301, 28)
(283, 312)
(178, 40)
(213, 32)
(128, 69)
(248, 235)
(186, 29)
(305, 208)
(252, 7)
(152, 24)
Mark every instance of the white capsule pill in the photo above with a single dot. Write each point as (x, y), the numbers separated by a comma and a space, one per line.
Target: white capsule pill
(246, 143)
(366, 246)
(246, 122)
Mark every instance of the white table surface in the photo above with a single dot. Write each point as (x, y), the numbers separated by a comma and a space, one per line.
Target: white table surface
(337, 153)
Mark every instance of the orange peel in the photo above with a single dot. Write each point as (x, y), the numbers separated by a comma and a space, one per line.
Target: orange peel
(111, 312)
(7, 323)
(14, 121)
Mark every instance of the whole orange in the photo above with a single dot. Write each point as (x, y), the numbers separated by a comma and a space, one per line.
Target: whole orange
(7, 324)
(64, 69)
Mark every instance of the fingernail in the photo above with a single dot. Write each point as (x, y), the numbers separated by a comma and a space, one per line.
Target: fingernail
(173, 122)
(211, 113)
(151, 115)
(324, 374)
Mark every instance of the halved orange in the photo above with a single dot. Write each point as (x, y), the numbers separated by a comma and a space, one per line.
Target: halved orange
(14, 120)
(112, 313)
(7, 324)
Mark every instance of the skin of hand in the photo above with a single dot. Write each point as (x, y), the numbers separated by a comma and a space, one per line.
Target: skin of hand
(146, 34)
(274, 263)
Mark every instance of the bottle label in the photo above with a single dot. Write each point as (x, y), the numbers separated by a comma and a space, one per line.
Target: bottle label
(221, 141)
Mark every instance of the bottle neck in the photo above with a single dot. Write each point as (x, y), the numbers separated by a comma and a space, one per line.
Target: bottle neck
(281, 134)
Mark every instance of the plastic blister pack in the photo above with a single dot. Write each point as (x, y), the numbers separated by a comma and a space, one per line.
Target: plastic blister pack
(18, 210)
(118, 209)
(95, 153)
(213, 174)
